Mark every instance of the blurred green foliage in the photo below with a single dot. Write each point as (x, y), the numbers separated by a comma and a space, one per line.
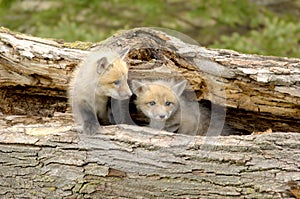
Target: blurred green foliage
(268, 27)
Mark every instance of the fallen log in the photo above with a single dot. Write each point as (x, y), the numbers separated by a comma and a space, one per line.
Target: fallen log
(48, 159)
(42, 156)
(259, 92)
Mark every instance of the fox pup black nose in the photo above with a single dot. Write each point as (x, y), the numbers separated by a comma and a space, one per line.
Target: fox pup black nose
(162, 116)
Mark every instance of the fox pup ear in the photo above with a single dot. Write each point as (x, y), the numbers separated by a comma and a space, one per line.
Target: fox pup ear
(124, 52)
(138, 87)
(101, 64)
(179, 87)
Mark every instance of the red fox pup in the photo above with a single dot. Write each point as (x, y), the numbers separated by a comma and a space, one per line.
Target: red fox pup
(163, 103)
(104, 74)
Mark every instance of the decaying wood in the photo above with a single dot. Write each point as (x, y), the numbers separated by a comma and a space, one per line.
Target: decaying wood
(42, 161)
(263, 91)
(42, 156)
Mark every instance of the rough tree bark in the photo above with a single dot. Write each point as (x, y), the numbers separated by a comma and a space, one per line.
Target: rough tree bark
(41, 156)
(259, 92)
(50, 161)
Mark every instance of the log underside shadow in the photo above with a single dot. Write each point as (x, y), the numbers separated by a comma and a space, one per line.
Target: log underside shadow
(20, 101)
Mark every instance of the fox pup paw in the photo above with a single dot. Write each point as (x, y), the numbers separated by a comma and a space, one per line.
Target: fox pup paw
(88, 129)
(91, 129)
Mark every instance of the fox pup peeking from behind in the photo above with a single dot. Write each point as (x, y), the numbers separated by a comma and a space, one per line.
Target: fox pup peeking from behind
(163, 102)
(104, 74)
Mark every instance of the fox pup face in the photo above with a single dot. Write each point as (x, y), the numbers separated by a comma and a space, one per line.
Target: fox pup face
(113, 81)
(157, 101)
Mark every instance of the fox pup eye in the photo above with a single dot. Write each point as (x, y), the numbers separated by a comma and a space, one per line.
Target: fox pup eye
(117, 82)
(168, 103)
(152, 103)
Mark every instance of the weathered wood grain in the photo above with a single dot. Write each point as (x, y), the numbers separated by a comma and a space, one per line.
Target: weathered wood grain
(50, 160)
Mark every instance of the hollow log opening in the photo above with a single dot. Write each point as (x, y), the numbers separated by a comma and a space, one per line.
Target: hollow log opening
(258, 92)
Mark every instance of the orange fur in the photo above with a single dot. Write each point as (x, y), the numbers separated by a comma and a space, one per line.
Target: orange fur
(160, 94)
(162, 102)
(183, 115)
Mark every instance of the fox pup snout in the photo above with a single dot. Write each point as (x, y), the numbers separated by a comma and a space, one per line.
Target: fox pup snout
(158, 109)
(119, 89)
